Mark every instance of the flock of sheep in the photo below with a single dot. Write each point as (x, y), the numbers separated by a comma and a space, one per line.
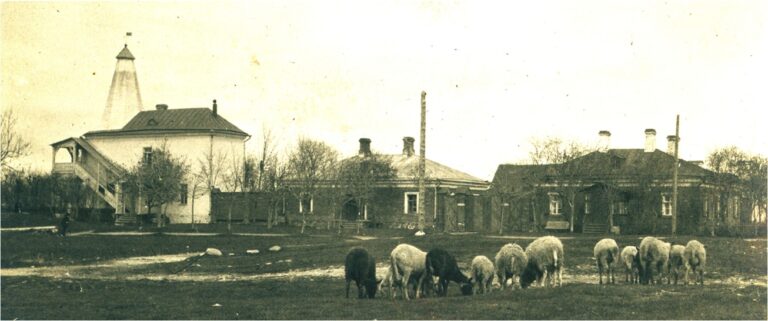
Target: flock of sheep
(542, 261)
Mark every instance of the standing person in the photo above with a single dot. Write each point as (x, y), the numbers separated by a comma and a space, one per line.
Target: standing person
(63, 225)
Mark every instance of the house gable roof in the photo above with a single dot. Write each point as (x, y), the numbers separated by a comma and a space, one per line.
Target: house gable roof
(406, 168)
(614, 163)
(175, 120)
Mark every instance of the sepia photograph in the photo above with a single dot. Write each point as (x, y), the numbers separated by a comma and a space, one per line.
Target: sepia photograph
(372, 159)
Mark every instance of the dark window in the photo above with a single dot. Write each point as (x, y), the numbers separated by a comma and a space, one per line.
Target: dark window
(183, 194)
(412, 203)
(147, 155)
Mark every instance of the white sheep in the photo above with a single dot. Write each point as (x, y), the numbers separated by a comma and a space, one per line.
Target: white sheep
(606, 252)
(482, 274)
(654, 255)
(695, 258)
(676, 261)
(631, 264)
(545, 258)
(510, 262)
(407, 261)
(388, 281)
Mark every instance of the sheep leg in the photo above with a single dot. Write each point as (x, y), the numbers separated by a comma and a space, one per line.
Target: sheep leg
(611, 278)
(404, 286)
(360, 293)
(502, 279)
(348, 288)
(600, 272)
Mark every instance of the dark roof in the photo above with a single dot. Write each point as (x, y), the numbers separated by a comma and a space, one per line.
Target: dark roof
(615, 163)
(520, 177)
(125, 54)
(634, 162)
(175, 120)
(407, 170)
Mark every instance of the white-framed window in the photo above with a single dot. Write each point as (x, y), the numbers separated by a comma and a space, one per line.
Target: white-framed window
(147, 155)
(307, 203)
(410, 202)
(619, 208)
(586, 203)
(555, 204)
(666, 204)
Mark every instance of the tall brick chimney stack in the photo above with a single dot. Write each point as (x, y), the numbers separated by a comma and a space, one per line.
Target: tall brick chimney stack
(671, 144)
(365, 147)
(605, 141)
(408, 150)
(650, 140)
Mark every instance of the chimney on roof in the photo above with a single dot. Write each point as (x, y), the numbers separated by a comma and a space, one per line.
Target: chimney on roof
(161, 107)
(671, 144)
(215, 108)
(605, 140)
(650, 140)
(365, 147)
(408, 146)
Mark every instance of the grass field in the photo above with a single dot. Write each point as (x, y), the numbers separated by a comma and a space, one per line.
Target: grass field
(77, 278)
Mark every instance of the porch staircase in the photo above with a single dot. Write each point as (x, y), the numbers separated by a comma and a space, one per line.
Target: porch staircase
(96, 171)
(125, 219)
(595, 228)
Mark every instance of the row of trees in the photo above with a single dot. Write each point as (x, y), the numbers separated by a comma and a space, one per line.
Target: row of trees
(311, 170)
(25, 191)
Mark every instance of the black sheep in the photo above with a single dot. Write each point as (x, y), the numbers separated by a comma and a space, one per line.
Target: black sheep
(443, 265)
(360, 267)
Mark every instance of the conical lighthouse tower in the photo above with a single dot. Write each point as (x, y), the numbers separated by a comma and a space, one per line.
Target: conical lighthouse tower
(124, 99)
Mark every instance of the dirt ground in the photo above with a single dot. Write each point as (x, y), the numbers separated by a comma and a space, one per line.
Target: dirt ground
(145, 275)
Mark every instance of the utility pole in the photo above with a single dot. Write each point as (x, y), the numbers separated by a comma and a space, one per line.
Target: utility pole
(422, 161)
(674, 176)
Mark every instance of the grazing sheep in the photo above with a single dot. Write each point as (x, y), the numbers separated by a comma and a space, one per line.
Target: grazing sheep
(510, 262)
(654, 255)
(360, 267)
(631, 263)
(407, 261)
(606, 252)
(676, 262)
(482, 274)
(443, 265)
(695, 258)
(545, 258)
(415, 278)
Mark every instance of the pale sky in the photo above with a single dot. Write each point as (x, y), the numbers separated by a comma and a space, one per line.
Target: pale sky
(496, 73)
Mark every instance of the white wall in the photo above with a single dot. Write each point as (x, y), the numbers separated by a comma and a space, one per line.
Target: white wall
(127, 151)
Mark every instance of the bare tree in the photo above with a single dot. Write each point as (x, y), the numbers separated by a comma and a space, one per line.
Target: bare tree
(310, 164)
(13, 144)
(275, 174)
(358, 177)
(570, 173)
(751, 170)
(207, 177)
(233, 180)
(157, 179)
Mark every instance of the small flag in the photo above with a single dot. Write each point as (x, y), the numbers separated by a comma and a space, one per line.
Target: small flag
(129, 34)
